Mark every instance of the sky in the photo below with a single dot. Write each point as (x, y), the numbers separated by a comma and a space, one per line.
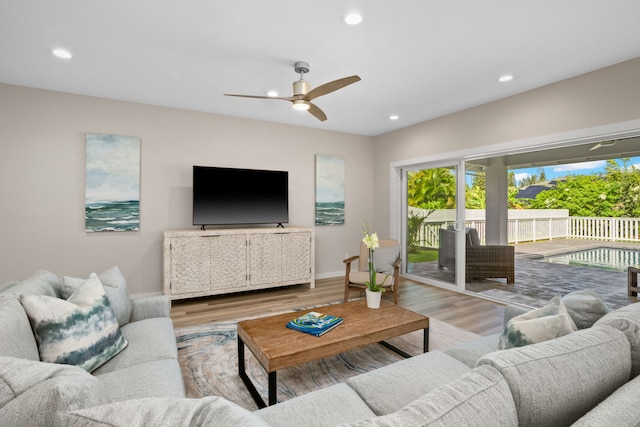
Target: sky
(583, 168)
(112, 168)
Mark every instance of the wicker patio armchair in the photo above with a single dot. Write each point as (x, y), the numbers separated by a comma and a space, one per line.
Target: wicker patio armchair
(482, 261)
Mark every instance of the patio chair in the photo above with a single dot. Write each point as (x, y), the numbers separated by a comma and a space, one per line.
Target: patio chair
(387, 263)
(482, 261)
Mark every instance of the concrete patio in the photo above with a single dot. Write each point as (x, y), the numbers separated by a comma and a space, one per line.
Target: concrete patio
(538, 282)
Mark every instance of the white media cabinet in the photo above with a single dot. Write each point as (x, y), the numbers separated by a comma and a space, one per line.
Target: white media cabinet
(211, 262)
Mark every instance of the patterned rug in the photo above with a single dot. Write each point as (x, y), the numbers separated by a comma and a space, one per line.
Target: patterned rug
(208, 357)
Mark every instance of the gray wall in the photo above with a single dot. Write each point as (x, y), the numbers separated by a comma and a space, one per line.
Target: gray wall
(42, 137)
(602, 97)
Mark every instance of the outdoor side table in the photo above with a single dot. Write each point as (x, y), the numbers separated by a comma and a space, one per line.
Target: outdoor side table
(632, 280)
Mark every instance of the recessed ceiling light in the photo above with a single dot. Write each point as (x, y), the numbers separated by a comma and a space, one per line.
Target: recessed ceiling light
(62, 53)
(394, 117)
(352, 18)
(272, 93)
(505, 78)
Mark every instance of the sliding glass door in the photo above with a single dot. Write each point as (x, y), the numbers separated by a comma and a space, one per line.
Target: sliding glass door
(432, 223)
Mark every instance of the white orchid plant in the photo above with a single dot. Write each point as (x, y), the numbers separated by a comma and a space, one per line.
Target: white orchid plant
(371, 242)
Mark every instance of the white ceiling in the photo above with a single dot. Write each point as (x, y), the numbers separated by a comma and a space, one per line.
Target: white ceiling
(419, 59)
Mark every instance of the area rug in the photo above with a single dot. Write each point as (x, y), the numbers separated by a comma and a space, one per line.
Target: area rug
(209, 362)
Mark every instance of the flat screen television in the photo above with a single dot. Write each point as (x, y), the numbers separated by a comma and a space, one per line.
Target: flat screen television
(229, 196)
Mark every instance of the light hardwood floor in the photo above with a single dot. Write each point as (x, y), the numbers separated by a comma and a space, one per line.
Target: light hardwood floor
(473, 314)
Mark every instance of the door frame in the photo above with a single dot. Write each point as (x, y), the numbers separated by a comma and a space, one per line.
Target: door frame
(401, 233)
(397, 195)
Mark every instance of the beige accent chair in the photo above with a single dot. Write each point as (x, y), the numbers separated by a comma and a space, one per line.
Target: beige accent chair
(386, 260)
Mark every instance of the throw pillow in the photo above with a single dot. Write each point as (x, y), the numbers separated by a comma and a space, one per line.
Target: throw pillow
(542, 324)
(81, 331)
(384, 257)
(115, 287)
(585, 307)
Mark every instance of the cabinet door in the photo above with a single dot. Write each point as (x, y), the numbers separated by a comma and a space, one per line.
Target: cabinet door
(228, 261)
(296, 257)
(190, 265)
(265, 259)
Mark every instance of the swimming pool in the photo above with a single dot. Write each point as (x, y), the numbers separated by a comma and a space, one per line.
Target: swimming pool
(616, 259)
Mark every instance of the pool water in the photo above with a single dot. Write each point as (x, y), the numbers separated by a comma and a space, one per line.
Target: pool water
(606, 258)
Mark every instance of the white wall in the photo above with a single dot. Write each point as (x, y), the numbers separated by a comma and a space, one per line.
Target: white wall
(603, 97)
(42, 181)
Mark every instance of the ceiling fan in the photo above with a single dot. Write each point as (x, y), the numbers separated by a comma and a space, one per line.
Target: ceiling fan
(303, 94)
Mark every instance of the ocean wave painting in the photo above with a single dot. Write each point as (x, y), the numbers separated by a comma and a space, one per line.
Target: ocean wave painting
(112, 191)
(329, 190)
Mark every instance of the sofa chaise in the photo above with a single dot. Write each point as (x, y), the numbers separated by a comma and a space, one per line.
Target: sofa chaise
(580, 368)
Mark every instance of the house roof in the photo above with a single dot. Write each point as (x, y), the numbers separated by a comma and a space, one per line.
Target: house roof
(417, 59)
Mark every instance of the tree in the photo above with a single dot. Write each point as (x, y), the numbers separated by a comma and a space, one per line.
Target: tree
(627, 179)
(431, 189)
(582, 195)
(428, 189)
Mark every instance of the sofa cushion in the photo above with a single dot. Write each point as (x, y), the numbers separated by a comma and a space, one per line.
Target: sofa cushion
(42, 282)
(81, 331)
(541, 324)
(149, 340)
(16, 336)
(558, 381)
(481, 397)
(390, 388)
(159, 378)
(325, 407)
(470, 351)
(619, 409)
(627, 320)
(152, 412)
(39, 394)
(585, 307)
(115, 287)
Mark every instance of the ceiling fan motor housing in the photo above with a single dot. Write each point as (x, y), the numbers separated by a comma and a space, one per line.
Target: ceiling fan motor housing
(301, 87)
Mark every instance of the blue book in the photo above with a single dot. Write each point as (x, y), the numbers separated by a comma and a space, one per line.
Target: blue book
(315, 323)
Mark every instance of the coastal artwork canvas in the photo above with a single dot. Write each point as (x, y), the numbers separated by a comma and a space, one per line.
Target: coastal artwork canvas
(330, 172)
(112, 183)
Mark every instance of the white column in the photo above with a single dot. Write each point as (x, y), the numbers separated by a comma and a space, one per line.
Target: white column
(497, 202)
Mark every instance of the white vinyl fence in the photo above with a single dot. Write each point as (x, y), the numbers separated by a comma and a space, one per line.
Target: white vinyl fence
(530, 225)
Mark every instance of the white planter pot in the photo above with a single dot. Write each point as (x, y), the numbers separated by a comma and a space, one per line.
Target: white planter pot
(373, 298)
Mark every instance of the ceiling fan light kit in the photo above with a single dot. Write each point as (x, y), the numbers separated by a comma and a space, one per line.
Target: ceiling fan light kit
(301, 105)
(303, 94)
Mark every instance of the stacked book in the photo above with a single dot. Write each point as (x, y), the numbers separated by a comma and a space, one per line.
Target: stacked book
(315, 323)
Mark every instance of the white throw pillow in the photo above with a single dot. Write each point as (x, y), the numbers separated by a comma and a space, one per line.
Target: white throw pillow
(542, 324)
(81, 331)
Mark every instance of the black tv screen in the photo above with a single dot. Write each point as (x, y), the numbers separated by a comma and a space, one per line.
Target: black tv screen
(239, 196)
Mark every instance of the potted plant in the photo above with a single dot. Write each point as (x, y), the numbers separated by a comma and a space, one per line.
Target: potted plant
(374, 289)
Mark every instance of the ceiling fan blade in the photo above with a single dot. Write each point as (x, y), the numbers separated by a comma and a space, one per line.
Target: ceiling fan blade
(331, 87)
(288, 98)
(317, 112)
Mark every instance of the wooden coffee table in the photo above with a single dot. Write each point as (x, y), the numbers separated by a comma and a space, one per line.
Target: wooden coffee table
(277, 347)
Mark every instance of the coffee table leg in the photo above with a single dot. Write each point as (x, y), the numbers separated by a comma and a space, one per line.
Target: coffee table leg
(247, 381)
(272, 389)
(425, 344)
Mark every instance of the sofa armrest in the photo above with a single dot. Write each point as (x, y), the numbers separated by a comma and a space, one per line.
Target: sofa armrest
(148, 307)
